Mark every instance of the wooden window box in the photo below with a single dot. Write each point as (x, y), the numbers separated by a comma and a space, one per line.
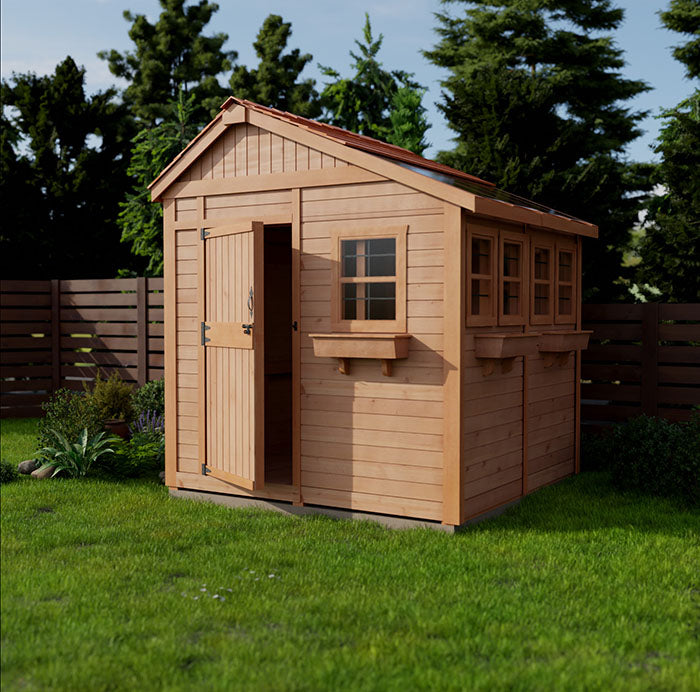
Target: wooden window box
(504, 348)
(556, 346)
(384, 347)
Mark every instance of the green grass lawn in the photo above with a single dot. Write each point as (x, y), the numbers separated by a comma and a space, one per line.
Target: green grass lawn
(18, 438)
(113, 585)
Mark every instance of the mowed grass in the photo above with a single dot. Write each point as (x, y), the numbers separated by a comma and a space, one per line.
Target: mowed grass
(18, 438)
(112, 585)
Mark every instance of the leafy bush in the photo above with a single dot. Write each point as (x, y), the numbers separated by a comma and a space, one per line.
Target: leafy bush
(8, 472)
(142, 455)
(150, 397)
(75, 459)
(67, 413)
(112, 398)
(656, 456)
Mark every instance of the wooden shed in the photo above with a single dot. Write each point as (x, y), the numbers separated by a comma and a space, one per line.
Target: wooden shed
(351, 326)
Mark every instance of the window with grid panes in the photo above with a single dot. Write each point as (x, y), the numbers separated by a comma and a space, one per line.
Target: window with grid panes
(565, 285)
(482, 287)
(512, 290)
(542, 284)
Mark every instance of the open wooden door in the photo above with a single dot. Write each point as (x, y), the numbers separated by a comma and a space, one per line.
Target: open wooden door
(232, 424)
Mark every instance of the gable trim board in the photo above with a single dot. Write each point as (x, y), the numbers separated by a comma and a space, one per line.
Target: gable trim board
(368, 162)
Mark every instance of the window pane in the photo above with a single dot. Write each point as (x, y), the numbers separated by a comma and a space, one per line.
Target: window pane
(511, 297)
(381, 301)
(481, 296)
(565, 300)
(565, 266)
(381, 257)
(511, 260)
(349, 257)
(541, 299)
(349, 302)
(541, 263)
(481, 256)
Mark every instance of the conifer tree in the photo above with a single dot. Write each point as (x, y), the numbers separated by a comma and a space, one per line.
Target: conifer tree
(275, 82)
(670, 249)
(171, 54)
(364, 102)
(62, 175)
(536, 99)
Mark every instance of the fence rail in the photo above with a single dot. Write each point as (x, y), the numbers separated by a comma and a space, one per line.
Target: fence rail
(60, 333)
(641, 359)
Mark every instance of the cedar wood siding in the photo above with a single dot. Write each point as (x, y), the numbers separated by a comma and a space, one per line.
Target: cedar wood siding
(368, 442)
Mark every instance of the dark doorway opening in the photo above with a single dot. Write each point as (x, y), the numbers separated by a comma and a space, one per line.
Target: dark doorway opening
(278, 354)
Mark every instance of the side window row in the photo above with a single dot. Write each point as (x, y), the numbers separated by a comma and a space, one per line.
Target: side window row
(512, 277)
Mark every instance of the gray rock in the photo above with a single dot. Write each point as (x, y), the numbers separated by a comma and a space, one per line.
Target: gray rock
(26, 467)
(43, 473)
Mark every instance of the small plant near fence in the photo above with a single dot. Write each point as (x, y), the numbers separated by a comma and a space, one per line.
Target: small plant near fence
(66, 413)
(149, 397)
(8, 472)
(74, 459)
(111, 398)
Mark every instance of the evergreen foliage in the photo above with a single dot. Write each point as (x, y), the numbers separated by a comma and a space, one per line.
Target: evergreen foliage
(170, 55)
(683, 16)
(408, 121)
(535, 97)
(364, 102)
(275, 82)
(140, 220)
(62, 173)
(670, 249)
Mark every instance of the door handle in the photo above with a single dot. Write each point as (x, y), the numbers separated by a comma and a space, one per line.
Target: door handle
(247, 328)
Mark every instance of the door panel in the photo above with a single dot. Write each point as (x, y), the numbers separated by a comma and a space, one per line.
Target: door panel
(233, 352)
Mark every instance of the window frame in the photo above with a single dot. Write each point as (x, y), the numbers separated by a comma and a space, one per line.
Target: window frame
(490, 317)
(520, 318)
(538, 242)
(397, 325)
(560, 318)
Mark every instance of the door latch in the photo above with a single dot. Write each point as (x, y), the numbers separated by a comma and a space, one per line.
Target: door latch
(295, 326)
(247, 328)
(204, 340)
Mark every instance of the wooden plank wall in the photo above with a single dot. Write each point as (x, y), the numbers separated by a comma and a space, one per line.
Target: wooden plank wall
(248, 150)
(492, 448)
(641, 359)
(61, 333)
(370, 442)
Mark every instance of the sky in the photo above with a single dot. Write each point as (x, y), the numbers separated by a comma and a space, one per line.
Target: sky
(38, 34)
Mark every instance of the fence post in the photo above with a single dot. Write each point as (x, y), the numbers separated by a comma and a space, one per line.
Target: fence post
(650, 361)
(55, 334)
(142, 329)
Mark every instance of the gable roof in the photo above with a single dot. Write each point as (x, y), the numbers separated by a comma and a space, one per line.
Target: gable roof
(393, 162)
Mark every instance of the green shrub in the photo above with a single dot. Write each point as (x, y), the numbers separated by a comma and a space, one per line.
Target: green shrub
(150, 397)
(67, 413)
(75, 458)
(8, 472)
(659, 457)
(112, 398)
(142, 455)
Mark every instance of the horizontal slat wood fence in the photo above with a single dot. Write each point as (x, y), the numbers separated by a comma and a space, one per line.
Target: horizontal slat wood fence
(57, 334)
(642, 358)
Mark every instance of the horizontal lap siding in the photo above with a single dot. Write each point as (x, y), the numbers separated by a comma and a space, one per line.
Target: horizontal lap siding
(492, 420)
(551, 422)
(370, 442)
(187, 242)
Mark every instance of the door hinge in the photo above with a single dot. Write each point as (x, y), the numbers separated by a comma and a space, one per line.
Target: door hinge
(295, 326)
(205, 326)
(203, 233)
(205, 469)
(247, 328)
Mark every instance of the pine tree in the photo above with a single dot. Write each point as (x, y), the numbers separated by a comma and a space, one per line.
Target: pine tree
(683, 16)
(364, 102)
(670, 249)
(275, 82)
(62, 177)
(140, 220)
(169, 55)
(408, 121)
(536, 100)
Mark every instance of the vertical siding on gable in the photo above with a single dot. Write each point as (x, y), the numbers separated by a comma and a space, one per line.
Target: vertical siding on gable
(247, 150)
(370, 442)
